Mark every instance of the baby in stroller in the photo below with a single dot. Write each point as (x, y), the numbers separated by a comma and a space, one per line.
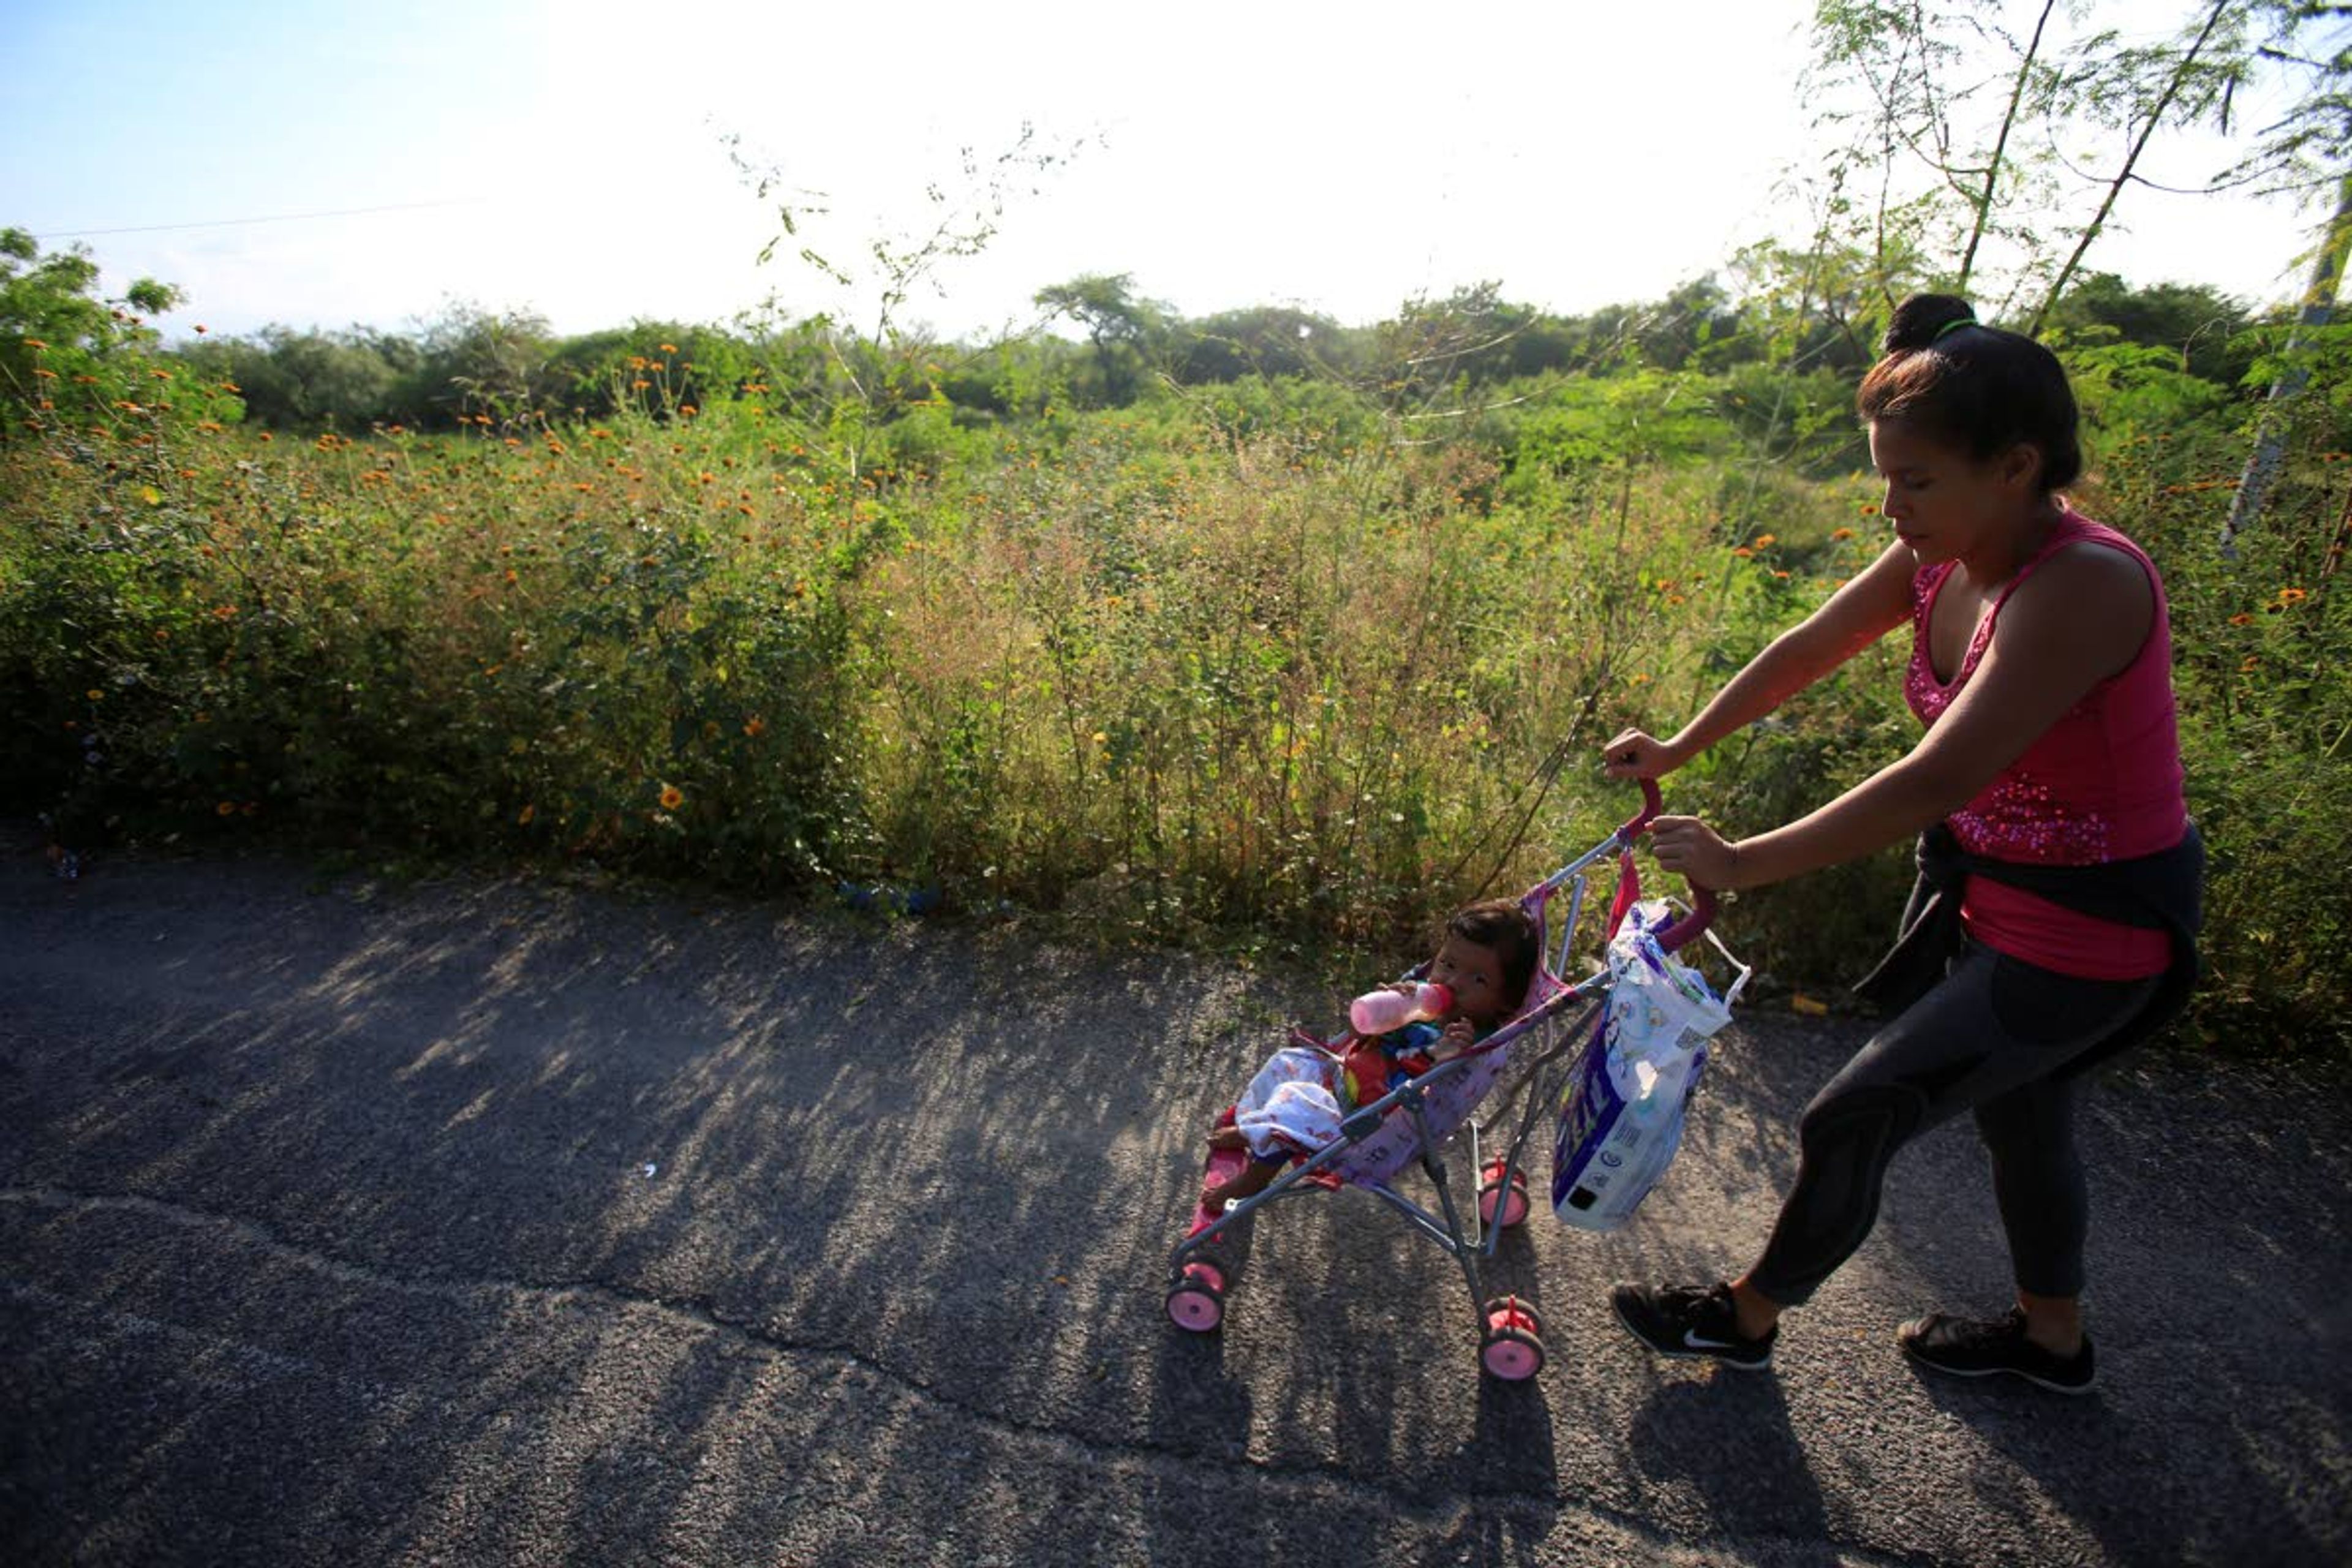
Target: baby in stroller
(1296, 1103)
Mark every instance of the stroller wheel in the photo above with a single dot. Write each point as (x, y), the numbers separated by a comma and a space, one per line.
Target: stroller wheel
(1492, 1197)
(1196, 1302)
(1512, 1312)
(1512, 1354)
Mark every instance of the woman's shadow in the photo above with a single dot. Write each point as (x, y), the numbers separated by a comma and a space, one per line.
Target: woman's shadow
(1729, 1439)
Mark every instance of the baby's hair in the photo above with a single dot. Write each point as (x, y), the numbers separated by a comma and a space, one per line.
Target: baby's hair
(1504, 926)
(1978, 388)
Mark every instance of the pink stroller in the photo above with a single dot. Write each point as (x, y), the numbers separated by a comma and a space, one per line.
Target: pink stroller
(1414, 1120)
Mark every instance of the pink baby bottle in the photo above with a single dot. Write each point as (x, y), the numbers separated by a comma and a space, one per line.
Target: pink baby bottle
(1378, 1012)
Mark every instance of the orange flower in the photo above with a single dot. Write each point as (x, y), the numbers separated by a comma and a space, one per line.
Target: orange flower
(2291, 595)
(1869, 510)
(670, 348)
(1783, 576)
(522, 818)
(226, 809)
(35, 343)
(47, 375)
(1744, 554)
(1840, 535)
(1765, 540)
(754, 727)
(2242, 619)
(672, 798)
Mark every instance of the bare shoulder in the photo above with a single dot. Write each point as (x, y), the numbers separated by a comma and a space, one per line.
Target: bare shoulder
(2087, 575)
(2091, 599)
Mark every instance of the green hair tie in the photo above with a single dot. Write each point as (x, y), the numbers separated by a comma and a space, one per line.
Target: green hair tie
(1954, 325)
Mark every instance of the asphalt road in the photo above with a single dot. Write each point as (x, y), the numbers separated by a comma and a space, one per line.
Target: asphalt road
(504, 1222)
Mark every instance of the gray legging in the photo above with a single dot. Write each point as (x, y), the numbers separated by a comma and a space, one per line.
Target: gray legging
(1990, 1038)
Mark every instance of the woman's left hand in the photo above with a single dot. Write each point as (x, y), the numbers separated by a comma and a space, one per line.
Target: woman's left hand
(1695, 852)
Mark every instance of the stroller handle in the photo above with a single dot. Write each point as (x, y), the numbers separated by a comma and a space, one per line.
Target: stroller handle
(1702, 900)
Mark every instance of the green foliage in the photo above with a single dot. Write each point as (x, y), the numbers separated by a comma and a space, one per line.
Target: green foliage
(67, 354)
(2262, 669)
(1303, 657)
(2203, 330)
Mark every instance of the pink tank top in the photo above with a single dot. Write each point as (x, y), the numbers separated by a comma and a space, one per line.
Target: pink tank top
(2102, 783)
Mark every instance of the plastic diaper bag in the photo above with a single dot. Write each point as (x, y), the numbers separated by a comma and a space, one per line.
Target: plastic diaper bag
(1621, 1116)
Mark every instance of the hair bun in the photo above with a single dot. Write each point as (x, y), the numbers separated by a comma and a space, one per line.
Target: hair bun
(1922, 319)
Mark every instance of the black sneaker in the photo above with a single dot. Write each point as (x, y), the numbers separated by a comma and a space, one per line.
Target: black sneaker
(1690, 1321)
(1969, 1347)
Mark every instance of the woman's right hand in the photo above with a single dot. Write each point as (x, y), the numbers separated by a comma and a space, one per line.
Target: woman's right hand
(1636, 755)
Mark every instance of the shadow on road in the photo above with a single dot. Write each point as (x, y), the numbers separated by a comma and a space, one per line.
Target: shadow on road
(510, 1223)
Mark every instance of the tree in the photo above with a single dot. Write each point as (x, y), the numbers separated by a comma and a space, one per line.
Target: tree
(2302, 155)
(1123, 329)
(63, 348)
(893, 364)
(2200, 324)
(1260, 341)
(486, 364)
(1959, 126)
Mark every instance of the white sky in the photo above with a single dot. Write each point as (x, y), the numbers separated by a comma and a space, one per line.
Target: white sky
(566, 158)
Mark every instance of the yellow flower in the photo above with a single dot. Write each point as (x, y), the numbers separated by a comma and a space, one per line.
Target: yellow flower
(96, 695)
(672, 798)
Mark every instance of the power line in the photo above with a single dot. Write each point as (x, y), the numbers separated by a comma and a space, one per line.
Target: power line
(274, 217)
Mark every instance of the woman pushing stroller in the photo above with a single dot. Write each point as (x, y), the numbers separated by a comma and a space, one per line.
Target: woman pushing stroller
(2056, 917)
